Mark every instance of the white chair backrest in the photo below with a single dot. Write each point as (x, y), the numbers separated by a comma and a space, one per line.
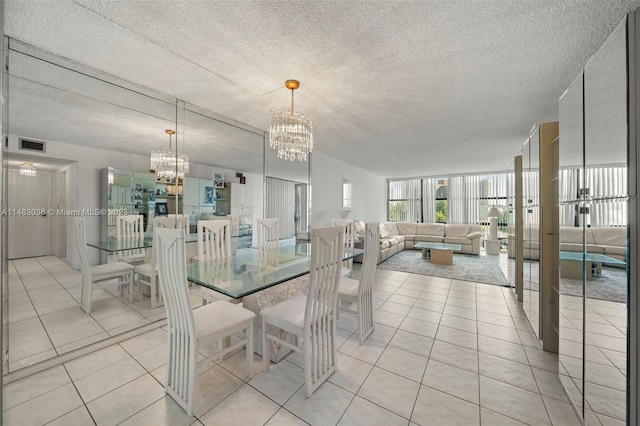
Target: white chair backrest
(327, 249)
(169, 245)
(183, 223)
(81, 243)
(169, 222)
(349, 237)
(81, 247)
(370, 259)
(235, 225)
(129, 227)
(268, 236)
(214, 240)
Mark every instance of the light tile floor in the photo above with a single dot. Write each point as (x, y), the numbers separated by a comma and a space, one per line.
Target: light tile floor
(443, 352)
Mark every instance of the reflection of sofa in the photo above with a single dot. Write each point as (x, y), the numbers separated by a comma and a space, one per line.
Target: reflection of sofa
(398, 236)
(609, 241)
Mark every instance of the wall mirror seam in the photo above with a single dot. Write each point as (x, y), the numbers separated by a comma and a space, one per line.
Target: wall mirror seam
(80, 144)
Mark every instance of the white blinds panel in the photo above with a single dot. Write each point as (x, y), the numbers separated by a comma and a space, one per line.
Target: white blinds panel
(429, 200)
(456, 200)
(281, 202)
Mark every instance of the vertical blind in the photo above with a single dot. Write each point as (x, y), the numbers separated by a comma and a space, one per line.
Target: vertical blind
(567, 192)
(470, 196)
(608, 191)
(404, 201)
(428, 200)
(281, 203)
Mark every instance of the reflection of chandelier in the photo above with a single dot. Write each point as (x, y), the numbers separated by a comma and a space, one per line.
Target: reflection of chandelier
(167, 164)
(289, 133)
(27, 169)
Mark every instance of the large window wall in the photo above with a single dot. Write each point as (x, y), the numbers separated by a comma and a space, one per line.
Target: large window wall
(467, 198)
(449, 199)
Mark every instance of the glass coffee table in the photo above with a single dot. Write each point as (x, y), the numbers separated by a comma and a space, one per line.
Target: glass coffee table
(571, 264)
(439, 253)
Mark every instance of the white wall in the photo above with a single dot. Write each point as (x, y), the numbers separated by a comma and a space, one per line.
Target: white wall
(369, 191)
(84, 178)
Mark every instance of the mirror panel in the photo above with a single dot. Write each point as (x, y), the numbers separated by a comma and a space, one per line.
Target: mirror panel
(526, 227)
(92, 125)
(571, 172)
(605, 222)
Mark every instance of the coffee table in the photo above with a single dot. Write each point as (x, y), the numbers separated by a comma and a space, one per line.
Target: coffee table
(439, 253)
(571, 264)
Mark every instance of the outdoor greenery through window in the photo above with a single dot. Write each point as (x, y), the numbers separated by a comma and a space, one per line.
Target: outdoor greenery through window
(442, 204)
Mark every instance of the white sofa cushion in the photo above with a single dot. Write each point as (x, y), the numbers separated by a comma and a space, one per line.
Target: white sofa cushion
(571, 235)
(392, 228)
(406, 228)
(457, 240)
(457, 231)
(427, 239)
(533, 236)
(430, 229)
(609, 236)
(383, 231)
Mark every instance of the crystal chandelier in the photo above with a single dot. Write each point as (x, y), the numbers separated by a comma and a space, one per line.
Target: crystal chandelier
(167, 164)
(290, 133)
(27, 169)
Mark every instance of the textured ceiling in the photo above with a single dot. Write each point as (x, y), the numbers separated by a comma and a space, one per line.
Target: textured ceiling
(400, 88)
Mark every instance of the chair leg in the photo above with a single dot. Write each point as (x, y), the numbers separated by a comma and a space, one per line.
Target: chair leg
(249, 349)
(266, 352)
(308, 385)
(131, 279)
(152, 290)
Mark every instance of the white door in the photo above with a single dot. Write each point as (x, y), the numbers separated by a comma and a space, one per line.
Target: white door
(28, 233)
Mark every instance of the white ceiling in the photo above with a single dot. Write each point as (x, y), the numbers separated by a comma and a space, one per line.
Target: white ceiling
(399, 88)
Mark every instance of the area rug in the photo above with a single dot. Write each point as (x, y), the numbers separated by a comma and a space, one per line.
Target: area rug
(467, 267)
(611, 285)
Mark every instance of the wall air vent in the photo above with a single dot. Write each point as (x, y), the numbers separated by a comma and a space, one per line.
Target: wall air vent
(28, 145)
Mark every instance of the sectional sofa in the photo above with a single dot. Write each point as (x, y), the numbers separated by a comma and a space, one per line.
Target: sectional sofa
(609, 241)
(398, 236)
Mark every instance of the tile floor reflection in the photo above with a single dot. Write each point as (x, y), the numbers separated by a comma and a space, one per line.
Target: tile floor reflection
(443, 352)
(45, 318)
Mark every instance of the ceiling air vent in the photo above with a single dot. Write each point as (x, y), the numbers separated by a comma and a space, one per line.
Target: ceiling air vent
(32, 145)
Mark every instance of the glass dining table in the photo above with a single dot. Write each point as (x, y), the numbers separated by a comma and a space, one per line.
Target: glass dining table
(246, 273)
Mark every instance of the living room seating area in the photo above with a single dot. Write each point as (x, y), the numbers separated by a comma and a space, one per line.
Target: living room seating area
(607, 240)
(398, 236)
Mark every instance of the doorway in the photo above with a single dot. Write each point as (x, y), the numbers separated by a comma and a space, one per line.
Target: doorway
(36, 192)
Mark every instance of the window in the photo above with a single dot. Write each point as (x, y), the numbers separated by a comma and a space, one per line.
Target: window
(404, 201)
(346, 193)
(442, 202)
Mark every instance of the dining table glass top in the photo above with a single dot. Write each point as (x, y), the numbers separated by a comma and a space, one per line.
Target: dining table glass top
(114, 246)
(248, 272)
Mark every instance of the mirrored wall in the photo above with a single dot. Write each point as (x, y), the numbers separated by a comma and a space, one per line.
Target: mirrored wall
(593, 203)
(89, 137)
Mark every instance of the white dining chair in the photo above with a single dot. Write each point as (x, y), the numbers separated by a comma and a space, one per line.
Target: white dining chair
(360, 292)
(311, 318)
(188, 328)
(183, 223)
(268, 239)
(169, 222)
(130, 228)
(147, 274)
(214, 247)
(349, 243)
(122, 271)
